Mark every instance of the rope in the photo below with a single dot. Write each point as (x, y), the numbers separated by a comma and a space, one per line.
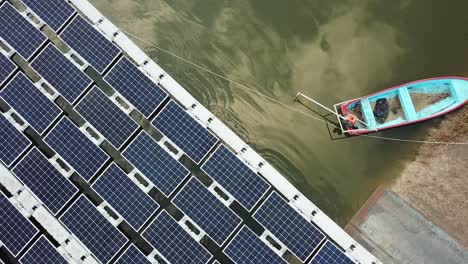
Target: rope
(255, 91)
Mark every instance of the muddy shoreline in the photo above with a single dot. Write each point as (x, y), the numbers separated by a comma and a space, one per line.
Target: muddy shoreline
(435, 182)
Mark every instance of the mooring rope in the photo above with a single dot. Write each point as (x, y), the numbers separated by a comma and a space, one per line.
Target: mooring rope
(252, 90)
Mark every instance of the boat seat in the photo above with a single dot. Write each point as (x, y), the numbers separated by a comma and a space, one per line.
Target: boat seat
(407, 104)
(368, 113)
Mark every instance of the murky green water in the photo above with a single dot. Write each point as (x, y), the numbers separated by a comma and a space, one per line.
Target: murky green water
(332, 50)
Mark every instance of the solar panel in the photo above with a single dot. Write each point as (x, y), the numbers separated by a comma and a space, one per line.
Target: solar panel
(238, 179)
(30, 103)
(44, 180)
(7, 67)
(93, 229)
(184, 131)
(331, 254)
(300, 236)
(106, 117)
(83, 38)
(76, 149)
(18, 32)
(173, 242)
(116, 188)
(61, 73)
(43, 252)
(200, 205)
(53, 12)
(133, 256)
(248, 248)
(12, 142)
(165, 172)
(136, 87)
(15, 230)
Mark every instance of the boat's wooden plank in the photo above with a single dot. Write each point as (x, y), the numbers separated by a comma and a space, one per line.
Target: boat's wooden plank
(407, 104)
(368, 113)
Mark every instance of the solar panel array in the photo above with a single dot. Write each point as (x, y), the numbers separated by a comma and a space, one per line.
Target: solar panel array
(46, 182)
(66, 78)
(136, 87)
(27, 100)
(173, 242)
(331, 254)
(133, 256)
(18, 32)
(98, 51)
(7, 67)
(12, 142)
(292, 229)
(217, 220)
(93, 229)
(116, 188)
(106, 117)
(53, 12)
(15, 230)
(248, 248)
(237, 178)
(184, 131)
(43, 252)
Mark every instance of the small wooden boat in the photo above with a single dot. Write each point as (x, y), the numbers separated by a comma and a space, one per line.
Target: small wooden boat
(403, 105)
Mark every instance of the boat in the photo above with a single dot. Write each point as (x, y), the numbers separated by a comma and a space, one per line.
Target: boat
(403, 105)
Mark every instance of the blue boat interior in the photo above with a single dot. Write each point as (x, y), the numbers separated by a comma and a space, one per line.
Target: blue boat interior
(409, 103)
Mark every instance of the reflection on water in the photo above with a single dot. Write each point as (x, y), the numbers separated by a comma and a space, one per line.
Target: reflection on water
(332, 50)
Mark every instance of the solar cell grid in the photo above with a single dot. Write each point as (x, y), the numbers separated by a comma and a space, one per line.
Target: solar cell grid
(248, 248)
(93, 229)
(299, 235)
(182, 129)
(173, 242)
(42, 252)
(76, 149)
(200, 205)
(165, 172)
(53, 12)
(15, 230)
(106, 117)
(136, 87)
(30, 103)
(234, 176)
(61, 73)
(44, 180)
(12, 142)
(83, 38)
(331, 254)
(116, 188)
(7, 67)
(133, 256)
(18, 32)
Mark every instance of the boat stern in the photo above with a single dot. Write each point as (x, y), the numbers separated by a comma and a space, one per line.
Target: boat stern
(461, 89)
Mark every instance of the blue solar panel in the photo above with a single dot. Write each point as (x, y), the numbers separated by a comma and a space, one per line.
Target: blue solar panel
(12, 142)
(116, 188)
(165, 172)
(15, 230)
(200, 205)
(136, 87)
(184, 131)
(93, 229)
(300, 236)
(53, 12)
(248, 248)
(238, 179)
(44, 180)
(30, 103)
(76, 149)
(61, 73)
(133, 256)
(18, 32)
(7, 67)
(106, 117)
(174, 243)
(331, 254)
(83, 38)
(43, 252)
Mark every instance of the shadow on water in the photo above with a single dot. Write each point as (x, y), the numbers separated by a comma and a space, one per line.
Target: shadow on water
(332, 50)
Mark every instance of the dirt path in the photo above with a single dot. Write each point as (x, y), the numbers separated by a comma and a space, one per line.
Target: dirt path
(436, 183)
